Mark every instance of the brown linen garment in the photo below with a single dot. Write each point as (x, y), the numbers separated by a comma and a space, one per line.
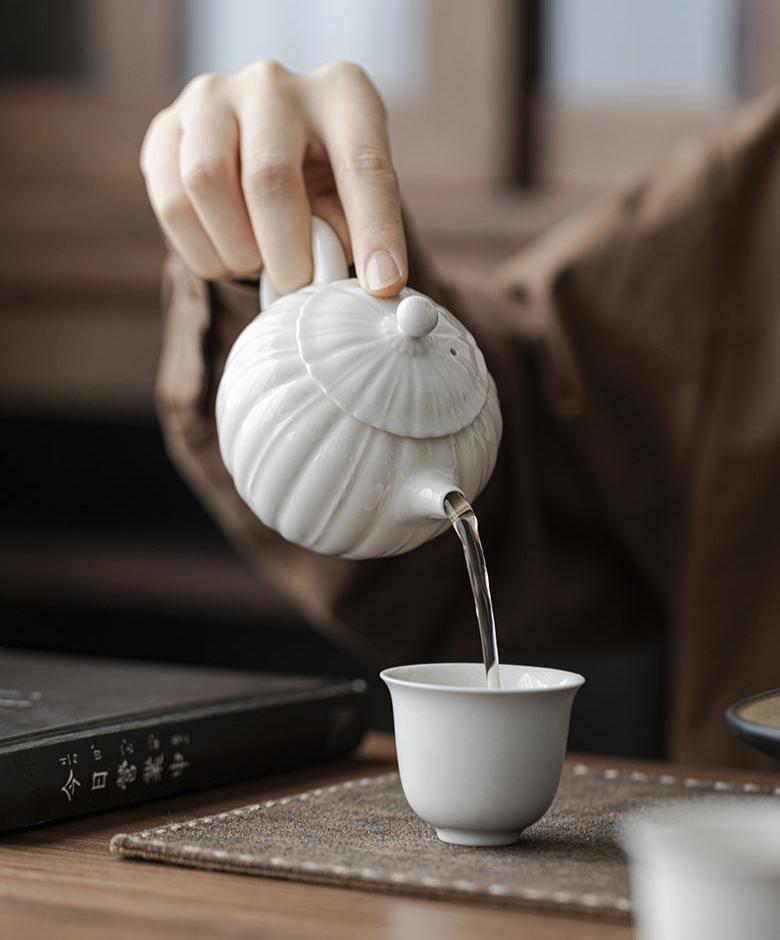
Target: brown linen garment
(636, 349)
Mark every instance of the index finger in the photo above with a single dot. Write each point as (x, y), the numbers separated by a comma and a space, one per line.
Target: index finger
(350, 120)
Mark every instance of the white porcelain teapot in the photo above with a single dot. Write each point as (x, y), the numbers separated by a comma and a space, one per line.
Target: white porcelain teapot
(345, 420)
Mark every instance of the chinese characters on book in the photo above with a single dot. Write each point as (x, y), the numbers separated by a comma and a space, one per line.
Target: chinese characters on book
(135, 764)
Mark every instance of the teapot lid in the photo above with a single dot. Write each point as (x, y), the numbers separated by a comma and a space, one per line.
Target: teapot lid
(401, 364)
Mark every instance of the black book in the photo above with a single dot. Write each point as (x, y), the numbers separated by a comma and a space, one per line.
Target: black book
(78, 735)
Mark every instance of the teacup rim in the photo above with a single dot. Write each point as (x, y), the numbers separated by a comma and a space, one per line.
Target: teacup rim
(575, 682)
(683, 832)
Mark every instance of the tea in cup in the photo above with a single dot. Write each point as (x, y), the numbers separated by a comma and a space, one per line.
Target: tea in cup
(480, 764)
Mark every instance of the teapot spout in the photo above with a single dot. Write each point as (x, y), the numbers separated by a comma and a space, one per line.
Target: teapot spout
(423, 497)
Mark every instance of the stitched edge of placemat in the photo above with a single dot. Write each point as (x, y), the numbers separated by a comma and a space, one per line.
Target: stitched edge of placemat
(143, 845)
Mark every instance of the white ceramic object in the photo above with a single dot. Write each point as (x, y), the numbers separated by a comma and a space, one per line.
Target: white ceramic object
(480, 764)
(708, 871)
(345, 420)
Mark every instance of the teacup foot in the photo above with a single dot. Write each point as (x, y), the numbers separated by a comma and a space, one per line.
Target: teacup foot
(478, 837)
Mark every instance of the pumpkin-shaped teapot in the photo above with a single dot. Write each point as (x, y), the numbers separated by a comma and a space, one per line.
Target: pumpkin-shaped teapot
(345, 420)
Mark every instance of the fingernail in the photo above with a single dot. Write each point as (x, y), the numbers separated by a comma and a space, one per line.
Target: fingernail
(381, 270)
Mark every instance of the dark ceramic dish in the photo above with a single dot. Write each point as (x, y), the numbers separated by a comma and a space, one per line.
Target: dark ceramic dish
(757, 721)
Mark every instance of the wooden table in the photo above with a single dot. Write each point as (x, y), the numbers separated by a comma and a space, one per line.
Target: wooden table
(59, 882)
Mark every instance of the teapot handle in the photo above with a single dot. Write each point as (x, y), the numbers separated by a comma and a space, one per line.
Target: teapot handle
(328, 260)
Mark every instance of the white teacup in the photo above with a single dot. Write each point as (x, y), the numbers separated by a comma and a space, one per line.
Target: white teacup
(480, 764)
(707, 871)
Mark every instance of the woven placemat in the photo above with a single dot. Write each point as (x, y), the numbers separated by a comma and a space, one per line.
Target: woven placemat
(362, 834)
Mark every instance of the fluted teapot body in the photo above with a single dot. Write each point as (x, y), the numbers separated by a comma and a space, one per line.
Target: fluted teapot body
(344, 419)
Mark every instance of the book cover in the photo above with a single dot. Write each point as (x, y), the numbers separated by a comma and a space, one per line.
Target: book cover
(78, 734)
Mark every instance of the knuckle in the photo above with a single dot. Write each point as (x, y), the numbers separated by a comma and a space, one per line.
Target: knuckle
(157, 123)
(241, 255)
(206, 177)
(270, 178)
(370, 161)
(244, 267)
(383, 230)
(202, 85)
(342, 70)
(173, 210)
(264, 70)
(208, 272)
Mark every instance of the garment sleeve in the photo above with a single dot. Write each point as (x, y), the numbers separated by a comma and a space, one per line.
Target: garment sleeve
(636, 351)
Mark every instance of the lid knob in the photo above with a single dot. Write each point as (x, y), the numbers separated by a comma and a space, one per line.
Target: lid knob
(417, 316)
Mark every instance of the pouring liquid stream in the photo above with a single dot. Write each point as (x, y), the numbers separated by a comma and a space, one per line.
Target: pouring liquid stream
(464, 521)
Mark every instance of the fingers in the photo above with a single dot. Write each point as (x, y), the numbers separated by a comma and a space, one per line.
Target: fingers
(233, 165)
(272, 148)
(177, 218)
(351, 122)
(208, 165)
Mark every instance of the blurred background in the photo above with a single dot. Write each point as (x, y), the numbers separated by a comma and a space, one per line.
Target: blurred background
(505, 116)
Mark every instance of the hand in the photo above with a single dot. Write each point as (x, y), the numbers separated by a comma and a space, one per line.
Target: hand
(237, 165)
